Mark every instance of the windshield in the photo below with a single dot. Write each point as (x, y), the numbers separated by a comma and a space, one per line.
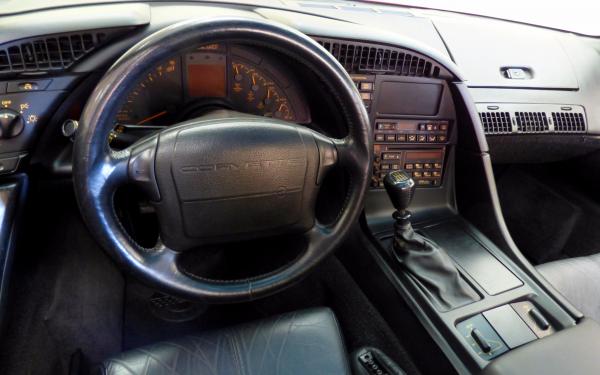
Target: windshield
(578, 16)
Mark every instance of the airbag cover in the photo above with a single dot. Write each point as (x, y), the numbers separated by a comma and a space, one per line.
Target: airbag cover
(238, 178)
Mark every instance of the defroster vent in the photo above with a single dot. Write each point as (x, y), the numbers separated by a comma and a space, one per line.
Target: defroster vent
(52, 52)
(358, 57)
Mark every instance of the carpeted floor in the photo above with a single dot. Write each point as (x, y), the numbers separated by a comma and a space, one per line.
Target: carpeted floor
(549, 217)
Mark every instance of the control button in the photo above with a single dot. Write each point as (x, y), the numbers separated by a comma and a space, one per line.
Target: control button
(385, 166)
(424, 182)
(444, 127)
(436, 182)
(418, 166)
(436, 127)
(366, 86)
(436, 174)
(437, 165)
(442, 138)
(390, 137)
(426, 174)
(417, 174)
(22, 86)
(379, 137)
(422, 138)
(367, 104)
(480, 340)
(539, 319)
(422, 126)
(429, 127)
(386, 126)
(427, 165)
(431, 138)
(409, 166)
(8, 165)
(391, 156)
(365, 95)
(395, 166)
(401, 137)
(11, 123)
(412, 138)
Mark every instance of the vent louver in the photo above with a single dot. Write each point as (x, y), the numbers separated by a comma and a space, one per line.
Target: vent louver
(357, 57)
(496, 122)
(568, 122)
(532, 122)
(52, 52)
(523, 118)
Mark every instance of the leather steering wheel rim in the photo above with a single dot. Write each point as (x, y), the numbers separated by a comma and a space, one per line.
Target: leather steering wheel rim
(98, 170)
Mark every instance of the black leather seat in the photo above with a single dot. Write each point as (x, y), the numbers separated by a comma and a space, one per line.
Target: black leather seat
(304, 342)
(578, 279)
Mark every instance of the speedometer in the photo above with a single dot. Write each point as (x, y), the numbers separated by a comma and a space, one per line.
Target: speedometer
(156, 98)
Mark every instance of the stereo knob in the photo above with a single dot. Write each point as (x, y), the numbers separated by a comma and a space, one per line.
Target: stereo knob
(11, 123)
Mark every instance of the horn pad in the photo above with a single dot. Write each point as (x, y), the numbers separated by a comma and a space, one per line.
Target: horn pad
(235, 179)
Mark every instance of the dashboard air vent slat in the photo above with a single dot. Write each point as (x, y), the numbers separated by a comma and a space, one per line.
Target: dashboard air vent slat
(532, 122)
(496, 122)
(568, 122)
(52, 52)
(358, 57)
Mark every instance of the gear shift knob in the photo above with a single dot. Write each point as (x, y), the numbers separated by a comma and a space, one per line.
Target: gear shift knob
(400, 188)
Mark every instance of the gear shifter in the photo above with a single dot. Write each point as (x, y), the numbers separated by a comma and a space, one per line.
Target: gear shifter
(427, 262)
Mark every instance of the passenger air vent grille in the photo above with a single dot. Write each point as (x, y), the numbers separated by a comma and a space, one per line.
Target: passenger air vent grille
(52, 52)
(568, 122)
(358, 57)
(523, 118)
(532, 122)
(496, 122)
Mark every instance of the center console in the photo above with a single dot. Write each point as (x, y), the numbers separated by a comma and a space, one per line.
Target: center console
(502, 309)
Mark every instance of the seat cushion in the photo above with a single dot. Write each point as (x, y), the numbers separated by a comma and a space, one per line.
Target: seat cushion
(303, 342)
(578, 279)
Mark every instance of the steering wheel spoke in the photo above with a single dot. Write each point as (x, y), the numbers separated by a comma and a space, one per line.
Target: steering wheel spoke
(140, 167)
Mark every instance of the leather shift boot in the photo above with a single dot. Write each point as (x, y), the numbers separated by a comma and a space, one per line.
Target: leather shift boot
(432, 267)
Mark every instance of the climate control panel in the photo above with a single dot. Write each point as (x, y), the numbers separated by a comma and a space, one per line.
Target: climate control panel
(411, 131)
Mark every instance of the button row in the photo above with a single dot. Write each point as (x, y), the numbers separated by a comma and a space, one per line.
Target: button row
(415, 174)
(410, 166)
(433, 127)
(413, 138)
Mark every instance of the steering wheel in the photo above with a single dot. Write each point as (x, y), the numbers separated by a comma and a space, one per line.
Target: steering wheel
(223, 177)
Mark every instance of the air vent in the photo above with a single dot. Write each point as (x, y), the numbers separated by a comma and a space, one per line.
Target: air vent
(496, 122)
(52, 52)
(499, 118)
(568, 122)
(358, 57)
(532, 122)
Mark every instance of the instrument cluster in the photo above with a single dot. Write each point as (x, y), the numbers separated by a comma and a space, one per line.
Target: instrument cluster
(207, 78)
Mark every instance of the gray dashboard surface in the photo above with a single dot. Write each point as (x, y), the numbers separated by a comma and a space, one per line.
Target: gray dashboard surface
(483, 47)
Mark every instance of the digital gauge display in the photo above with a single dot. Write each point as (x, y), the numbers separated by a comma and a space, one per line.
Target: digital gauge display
(206, 74)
